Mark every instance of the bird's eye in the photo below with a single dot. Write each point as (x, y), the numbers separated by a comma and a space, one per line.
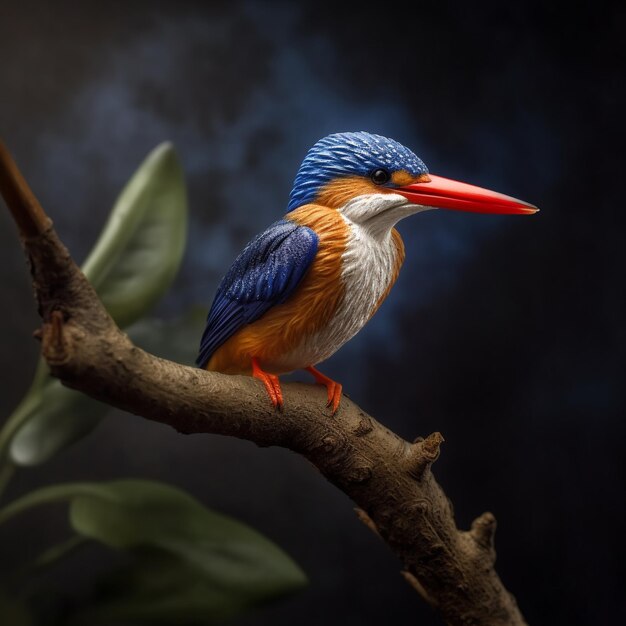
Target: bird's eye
(380, 177)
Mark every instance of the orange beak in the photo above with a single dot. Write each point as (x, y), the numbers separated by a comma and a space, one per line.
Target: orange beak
(443, 193)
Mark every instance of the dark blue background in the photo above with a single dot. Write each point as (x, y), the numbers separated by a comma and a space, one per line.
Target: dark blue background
(504, 333)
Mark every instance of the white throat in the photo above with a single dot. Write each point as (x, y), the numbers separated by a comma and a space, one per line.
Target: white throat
(378, 213)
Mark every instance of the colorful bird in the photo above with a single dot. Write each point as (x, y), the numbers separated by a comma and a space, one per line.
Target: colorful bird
(309, 282)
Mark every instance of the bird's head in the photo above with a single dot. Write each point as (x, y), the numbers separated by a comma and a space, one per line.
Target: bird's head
(374, 181)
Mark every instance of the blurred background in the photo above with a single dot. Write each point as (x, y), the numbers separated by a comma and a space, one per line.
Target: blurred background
(504, 333)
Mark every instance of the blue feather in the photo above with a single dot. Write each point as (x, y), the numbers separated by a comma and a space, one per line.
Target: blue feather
(349, 154)
(265, 274)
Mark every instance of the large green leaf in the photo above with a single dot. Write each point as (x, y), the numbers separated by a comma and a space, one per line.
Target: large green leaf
(131, 266)
(191, 565)
(161, 589)
(53, 418)
(139, 251)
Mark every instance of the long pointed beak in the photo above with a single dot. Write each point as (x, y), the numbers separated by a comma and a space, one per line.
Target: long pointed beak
(443, 193)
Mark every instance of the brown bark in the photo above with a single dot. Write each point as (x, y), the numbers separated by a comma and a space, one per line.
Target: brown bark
(388, 478)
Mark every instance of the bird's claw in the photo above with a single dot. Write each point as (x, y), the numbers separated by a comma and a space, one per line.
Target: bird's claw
(271, 383)
(334, 388)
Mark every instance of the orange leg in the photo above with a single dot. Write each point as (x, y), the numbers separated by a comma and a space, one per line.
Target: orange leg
(271, 382)
(334, 388)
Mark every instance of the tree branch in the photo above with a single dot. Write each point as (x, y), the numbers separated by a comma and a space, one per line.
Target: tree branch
(388, 478)
(25, 208)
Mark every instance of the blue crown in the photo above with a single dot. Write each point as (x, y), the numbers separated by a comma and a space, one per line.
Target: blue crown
(350, 154)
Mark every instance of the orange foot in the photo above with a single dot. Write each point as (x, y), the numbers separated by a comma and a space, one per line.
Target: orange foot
(271, 382)
(334, 388)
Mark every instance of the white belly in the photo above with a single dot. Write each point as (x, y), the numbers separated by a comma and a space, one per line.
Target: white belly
(369, 266)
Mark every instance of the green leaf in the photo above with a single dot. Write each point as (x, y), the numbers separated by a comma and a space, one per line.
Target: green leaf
(54, 418)
(160, 589)
(131, 266)
(140, 249)
(191, 565)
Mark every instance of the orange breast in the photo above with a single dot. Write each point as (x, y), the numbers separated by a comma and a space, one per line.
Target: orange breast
(308, 309)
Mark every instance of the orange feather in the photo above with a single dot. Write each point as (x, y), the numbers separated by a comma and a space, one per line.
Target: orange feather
(339, 191)
(310, 308)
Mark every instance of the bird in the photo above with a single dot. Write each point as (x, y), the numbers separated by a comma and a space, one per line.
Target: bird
(310, 281)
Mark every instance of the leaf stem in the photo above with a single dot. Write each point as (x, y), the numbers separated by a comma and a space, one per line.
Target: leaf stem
(46, 495)
(52, 555)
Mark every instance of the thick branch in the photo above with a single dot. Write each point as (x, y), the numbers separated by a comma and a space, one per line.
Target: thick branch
(388, 478)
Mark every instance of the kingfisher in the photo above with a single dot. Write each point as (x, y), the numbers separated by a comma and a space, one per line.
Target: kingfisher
(310, 281)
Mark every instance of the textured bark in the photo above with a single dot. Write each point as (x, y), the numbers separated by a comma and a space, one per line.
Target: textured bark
(388, 478)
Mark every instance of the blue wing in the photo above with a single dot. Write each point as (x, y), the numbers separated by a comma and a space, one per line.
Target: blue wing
(265, 274)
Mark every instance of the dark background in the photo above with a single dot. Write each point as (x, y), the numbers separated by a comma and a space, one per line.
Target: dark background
(505, 333)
